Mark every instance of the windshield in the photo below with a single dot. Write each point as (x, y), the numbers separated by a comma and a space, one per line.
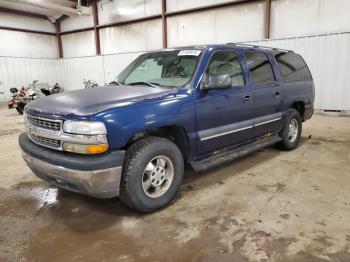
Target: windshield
(167, 68)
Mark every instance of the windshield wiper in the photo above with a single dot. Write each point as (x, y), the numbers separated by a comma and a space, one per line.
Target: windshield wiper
(115, 83)
(144, 83)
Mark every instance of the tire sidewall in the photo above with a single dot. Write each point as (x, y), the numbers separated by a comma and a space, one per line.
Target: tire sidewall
(138, 197)
(20, 108)
(287, 144)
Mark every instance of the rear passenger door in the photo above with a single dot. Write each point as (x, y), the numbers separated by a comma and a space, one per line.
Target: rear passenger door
(266, 93)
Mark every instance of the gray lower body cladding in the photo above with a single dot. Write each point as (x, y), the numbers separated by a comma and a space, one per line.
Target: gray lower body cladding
(97, 175)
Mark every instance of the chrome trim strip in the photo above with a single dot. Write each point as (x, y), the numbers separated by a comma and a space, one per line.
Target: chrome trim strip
(226, 133)
(266, 122)
(240, 126)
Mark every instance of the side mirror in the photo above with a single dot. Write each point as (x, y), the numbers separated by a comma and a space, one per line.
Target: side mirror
(216, 81)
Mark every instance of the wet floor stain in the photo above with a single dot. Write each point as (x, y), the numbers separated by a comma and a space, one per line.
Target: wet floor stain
(285, 216)
(274, 188)
(39, 222)
(53, 223)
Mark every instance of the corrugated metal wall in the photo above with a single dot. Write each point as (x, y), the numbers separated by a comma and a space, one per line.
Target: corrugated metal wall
(102, 69)
(68, 72)
(18, 72)
(328, 57)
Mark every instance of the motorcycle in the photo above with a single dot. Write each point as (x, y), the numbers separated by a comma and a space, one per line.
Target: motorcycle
(89, 83)
(52, 90)
(16, 95)
(36, 92)
(12, 103)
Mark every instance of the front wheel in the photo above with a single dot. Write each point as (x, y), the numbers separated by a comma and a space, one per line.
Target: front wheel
(20, 107)
(152, 174)
(291, 132)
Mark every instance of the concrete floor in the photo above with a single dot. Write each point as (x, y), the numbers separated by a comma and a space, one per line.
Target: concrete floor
(269, 206)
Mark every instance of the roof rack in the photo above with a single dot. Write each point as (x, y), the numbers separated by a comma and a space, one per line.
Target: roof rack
(259, 47)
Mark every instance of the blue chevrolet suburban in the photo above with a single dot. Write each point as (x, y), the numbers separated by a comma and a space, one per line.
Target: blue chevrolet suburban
(195, 106)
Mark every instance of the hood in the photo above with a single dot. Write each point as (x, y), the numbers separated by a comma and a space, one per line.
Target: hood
(93, 100)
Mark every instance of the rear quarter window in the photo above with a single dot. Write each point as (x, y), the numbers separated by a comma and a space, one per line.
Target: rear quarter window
(292, 67)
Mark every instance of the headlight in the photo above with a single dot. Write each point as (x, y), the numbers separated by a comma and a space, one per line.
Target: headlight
(89, 137)
(84, 127)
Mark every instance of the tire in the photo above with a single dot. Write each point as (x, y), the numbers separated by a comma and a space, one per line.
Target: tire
(138, 173)
(291, 140)
(20, 108)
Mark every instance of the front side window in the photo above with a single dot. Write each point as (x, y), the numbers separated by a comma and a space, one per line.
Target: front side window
(167, 68)
(226, 62)
(292, 67)
(260, 69)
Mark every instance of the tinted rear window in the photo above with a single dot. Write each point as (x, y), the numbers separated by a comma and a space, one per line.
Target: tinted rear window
(292, 67)
(259, 68)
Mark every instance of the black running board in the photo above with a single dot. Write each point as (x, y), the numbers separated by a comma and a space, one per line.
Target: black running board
(229, 155)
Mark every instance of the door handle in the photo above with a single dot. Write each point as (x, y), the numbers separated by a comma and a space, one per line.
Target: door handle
(277, 94)
(247, 98)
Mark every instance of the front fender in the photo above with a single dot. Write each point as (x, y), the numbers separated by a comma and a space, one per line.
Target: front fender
(124, 122)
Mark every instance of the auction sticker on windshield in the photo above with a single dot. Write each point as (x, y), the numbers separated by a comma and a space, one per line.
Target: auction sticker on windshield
(189, 52)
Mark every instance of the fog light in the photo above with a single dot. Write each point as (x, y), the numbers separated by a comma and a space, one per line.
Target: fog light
(85, 149)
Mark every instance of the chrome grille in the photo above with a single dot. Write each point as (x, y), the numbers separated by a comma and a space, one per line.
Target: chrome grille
(44, 122)
(52, 143)
(44, 131)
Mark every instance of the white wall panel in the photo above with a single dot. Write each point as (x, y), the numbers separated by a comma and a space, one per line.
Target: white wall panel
(102, 69)
(77, 22)
(18, 72)
(68, 72)
(130, 38)
(230, 24)
(175, 5)
(122, 10)
(307, 17)
(74, 70)
(114, 64)
(25, 22)
(20, 44)
(79, 44)
(328, 57)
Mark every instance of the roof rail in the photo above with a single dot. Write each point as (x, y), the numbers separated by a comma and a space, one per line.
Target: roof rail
(258, 46)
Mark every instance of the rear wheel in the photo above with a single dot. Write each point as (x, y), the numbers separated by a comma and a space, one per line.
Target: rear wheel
(291, 132)
(152, 174)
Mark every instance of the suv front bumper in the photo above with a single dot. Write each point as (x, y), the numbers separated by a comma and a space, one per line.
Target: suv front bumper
(94, 175)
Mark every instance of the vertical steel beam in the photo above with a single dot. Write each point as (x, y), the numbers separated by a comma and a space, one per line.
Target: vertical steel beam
(96, 29)
(59, 39)
(164, 25)
(267, 19)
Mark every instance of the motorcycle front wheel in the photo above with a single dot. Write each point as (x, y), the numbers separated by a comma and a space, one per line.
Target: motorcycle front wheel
(20, 108)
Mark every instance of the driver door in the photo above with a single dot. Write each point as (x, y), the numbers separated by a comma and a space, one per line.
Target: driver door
(223, 116)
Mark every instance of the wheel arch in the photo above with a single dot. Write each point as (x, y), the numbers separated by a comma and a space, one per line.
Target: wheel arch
(175, 133)
(300, 107)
